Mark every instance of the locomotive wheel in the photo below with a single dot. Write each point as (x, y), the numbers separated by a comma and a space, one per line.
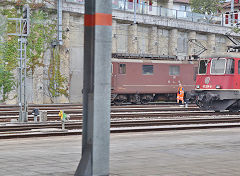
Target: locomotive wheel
(134, 99)
(145, 101)
(118, 102)
(120, 99)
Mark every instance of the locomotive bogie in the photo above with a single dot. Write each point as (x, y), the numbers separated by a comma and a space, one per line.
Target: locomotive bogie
(216, 100)
(119, 99)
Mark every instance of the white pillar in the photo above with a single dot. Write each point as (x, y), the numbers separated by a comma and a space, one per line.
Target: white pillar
(133, 39)
(172, 43)
(153, 40)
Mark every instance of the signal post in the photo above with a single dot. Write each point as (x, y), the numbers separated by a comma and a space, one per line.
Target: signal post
(22, 31)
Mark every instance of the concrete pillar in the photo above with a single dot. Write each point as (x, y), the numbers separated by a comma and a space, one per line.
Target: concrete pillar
(38, 86)
(170, 4)
(165, 3)
(96, 89)
(76, 58)
(191, 47)
(65, 56)
(228, 43)
(133, 39)
(211, 44)
(153, 40)
(114, 36)
(163, 38)
(172, 43)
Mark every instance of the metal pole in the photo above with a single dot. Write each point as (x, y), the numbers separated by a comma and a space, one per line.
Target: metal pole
(96, 88)
(124, 5)
(222, 21)
(135, 9)
(22, 31)
(59, 11)
(232, 5)
(25, 76)
(20, 81)
(63, 124)
(232, 11)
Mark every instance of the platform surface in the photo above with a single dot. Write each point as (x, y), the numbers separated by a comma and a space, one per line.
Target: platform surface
(175, 153)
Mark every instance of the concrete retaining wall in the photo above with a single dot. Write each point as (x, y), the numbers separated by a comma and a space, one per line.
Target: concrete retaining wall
(151, 35)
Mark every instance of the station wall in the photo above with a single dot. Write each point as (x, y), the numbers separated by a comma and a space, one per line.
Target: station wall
(140, 38)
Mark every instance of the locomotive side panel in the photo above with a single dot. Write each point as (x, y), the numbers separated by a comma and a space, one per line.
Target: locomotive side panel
(218, 83)
(206, 82)
(237, 74)
(149, 77)
(225, 78)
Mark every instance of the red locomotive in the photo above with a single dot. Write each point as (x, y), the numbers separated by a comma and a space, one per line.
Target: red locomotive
(218, 83)
(142, 81)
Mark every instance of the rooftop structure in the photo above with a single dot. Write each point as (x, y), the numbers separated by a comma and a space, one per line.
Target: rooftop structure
(181, 5)
(227, 6)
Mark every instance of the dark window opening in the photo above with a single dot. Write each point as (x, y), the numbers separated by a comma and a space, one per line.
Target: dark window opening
(122, 68)
(147, 69)
(230, 66)
(174, 70)
(203, 66)
(239, 67)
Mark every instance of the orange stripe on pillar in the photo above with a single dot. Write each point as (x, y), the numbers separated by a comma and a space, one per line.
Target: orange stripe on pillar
(101, 19)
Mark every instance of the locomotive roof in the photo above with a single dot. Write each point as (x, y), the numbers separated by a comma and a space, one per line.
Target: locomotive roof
(222, 55)
(153, 61)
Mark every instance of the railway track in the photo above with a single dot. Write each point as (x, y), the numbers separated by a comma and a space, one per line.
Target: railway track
(8, 113)
(127, 118)
(122, 115)
(120, 123)
(120, 126)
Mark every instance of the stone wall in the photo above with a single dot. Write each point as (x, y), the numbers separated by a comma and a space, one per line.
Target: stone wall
(151, 35)
(153, 39)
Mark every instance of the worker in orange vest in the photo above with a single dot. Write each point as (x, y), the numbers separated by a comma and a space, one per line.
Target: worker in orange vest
(180, 94)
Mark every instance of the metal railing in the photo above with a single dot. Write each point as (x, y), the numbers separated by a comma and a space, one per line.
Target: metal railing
(143, 8)
(76, 1)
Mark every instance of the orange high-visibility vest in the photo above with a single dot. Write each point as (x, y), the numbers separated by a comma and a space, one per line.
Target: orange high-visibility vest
(180, 93)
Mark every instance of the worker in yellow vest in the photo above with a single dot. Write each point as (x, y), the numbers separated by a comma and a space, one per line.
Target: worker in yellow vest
(180, 94)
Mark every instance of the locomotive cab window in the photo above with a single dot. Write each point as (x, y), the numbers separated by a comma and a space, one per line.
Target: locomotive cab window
(218, 66)
(230, 66)
(122, 68)
(203, 67)
(239, 67)
(174, 70)
(147, 69)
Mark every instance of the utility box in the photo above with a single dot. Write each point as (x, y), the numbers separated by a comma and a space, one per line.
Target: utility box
(43, 116)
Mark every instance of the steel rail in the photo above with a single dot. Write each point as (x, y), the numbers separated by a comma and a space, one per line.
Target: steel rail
(129, 122)
(114, 115)
(113, 130)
